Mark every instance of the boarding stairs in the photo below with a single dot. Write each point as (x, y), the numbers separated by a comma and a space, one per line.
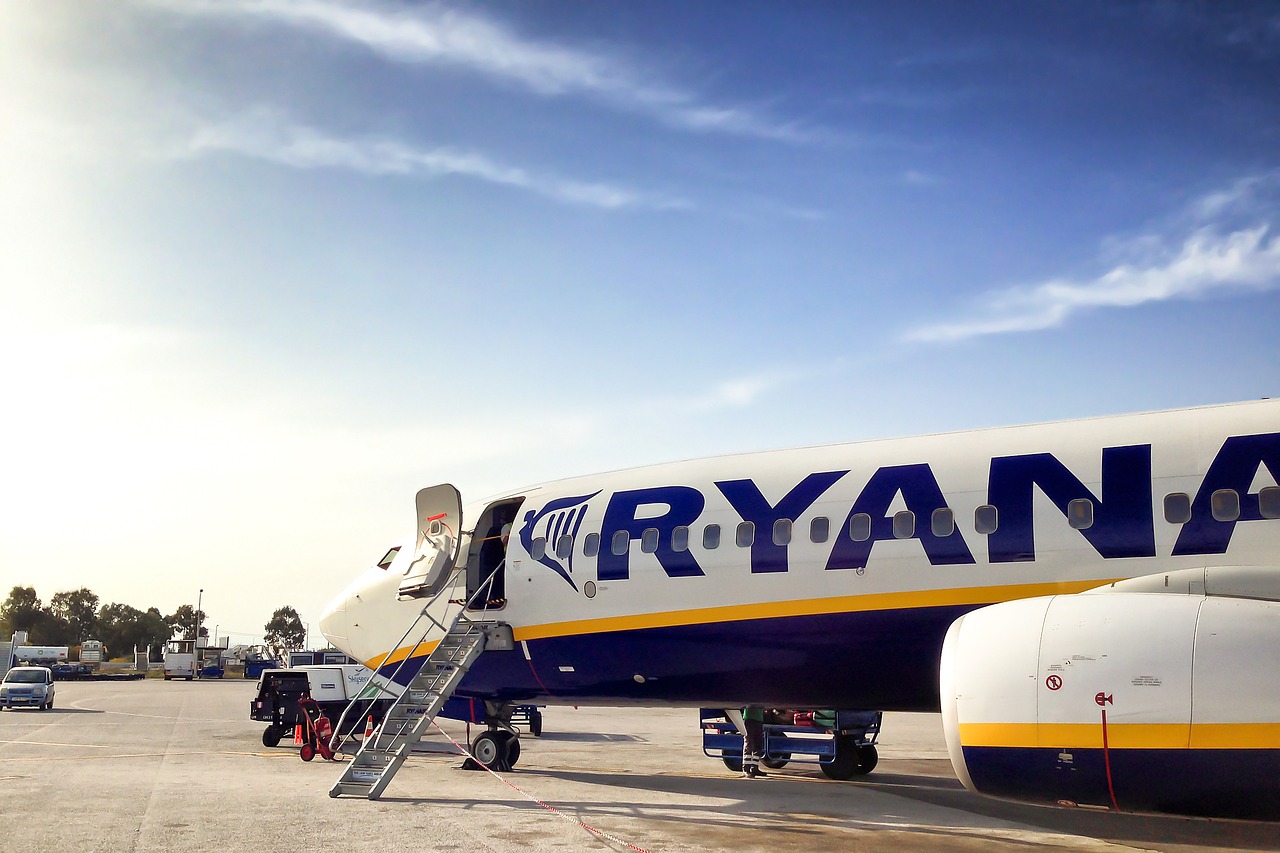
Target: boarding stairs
(409, 718)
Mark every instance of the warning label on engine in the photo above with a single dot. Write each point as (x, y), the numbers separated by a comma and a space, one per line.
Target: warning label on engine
(1147, 681)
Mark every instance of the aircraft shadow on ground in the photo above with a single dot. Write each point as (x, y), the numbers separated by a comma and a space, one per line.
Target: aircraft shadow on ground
(932, 790)
(589, 737)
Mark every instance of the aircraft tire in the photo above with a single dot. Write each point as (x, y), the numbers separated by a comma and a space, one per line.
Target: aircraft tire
(490, 749)
(512, 746)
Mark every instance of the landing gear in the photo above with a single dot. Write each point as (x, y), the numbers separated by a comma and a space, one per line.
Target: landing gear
(497, 749)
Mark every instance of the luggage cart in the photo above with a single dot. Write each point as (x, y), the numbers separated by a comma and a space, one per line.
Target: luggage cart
(842, 743)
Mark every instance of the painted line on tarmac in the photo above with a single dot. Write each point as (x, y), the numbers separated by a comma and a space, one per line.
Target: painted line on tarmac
(55, 743)
(80, 706)
(140, 754)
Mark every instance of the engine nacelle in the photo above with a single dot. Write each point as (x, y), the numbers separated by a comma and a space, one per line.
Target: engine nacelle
(1130, 701)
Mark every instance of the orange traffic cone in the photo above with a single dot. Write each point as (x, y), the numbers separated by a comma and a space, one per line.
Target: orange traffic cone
(297, 733)
(368, 727)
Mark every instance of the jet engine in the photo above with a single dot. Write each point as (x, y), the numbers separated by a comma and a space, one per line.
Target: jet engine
(1142, 701)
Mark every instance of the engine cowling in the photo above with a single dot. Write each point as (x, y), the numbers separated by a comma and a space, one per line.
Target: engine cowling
(1129, 701)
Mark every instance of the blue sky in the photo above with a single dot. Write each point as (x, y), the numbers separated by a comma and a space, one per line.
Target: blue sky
(269, 267)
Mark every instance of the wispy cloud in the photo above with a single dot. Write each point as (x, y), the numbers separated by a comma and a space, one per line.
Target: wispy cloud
(1207, 264)
(1234, 245)
(738, 392)
(437, 34)
(263, 135)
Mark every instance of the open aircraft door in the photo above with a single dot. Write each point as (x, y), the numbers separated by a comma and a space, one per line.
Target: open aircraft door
(439, 511)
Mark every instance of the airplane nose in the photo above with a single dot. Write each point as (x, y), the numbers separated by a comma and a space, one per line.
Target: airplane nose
(357, 618)
(333, 621)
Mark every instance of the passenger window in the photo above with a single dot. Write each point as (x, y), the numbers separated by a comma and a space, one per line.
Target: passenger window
(1080, 513)
(986, 519)
(745, 534)
(649, 540)
(860, 527)
(819, 529)
(1225, 504)
(711, 537)
(564, 546)
(539, 549)
(904, 524)
(680, 539)
(943, 522)
(621, 543)
(782, 531)
(1177, 508)
(591, 545)
(1269, 502)
(388, 558)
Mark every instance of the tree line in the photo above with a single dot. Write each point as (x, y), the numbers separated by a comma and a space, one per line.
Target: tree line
(72, 617)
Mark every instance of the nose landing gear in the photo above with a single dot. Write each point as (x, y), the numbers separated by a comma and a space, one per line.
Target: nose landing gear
(496, 749)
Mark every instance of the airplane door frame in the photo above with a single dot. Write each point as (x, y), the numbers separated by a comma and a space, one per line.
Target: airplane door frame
(488, 554)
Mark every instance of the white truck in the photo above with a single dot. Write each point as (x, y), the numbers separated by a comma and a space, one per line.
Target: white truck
(40, 655)
(91, 652)
(332, 686)
(179, 660)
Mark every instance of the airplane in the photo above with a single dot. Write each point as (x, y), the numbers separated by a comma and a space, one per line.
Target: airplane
(1093, 605)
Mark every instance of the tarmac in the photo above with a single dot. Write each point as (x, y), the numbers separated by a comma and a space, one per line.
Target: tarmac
(155, 765)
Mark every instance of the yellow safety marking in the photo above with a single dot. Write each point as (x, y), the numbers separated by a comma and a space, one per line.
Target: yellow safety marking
(1122, 735)
(963, 596)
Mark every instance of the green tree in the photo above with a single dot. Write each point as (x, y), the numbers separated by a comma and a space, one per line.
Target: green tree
(182, 622)
(284, 632)
(123, 627)
(22, 611)
(78, 610)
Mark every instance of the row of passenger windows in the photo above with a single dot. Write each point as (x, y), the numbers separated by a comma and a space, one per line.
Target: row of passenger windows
(1224, 504)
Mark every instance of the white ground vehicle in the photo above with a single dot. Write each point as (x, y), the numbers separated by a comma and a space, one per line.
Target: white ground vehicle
(29, 686)
(180, 660)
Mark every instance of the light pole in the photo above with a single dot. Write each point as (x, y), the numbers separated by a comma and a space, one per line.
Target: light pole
(195, 642)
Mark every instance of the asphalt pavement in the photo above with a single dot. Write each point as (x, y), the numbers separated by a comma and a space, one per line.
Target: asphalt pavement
(159, 766)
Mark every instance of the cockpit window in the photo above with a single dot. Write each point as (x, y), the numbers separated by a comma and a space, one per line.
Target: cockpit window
(386, 561)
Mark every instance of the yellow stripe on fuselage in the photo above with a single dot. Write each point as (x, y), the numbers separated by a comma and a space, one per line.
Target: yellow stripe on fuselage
(1122, 735)
(920, 599)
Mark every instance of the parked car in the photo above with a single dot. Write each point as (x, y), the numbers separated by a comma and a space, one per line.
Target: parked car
(30, 686)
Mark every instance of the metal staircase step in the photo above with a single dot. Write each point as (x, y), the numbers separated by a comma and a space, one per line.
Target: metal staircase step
(410, 716)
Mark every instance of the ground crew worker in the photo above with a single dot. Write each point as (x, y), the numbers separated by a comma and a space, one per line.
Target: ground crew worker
(752, 742)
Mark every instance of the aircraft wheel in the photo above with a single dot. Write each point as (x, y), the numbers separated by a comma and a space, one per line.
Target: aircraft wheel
(307, 752)
(732, 760)
(512, 746)
(271, 736)
(490, 749)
